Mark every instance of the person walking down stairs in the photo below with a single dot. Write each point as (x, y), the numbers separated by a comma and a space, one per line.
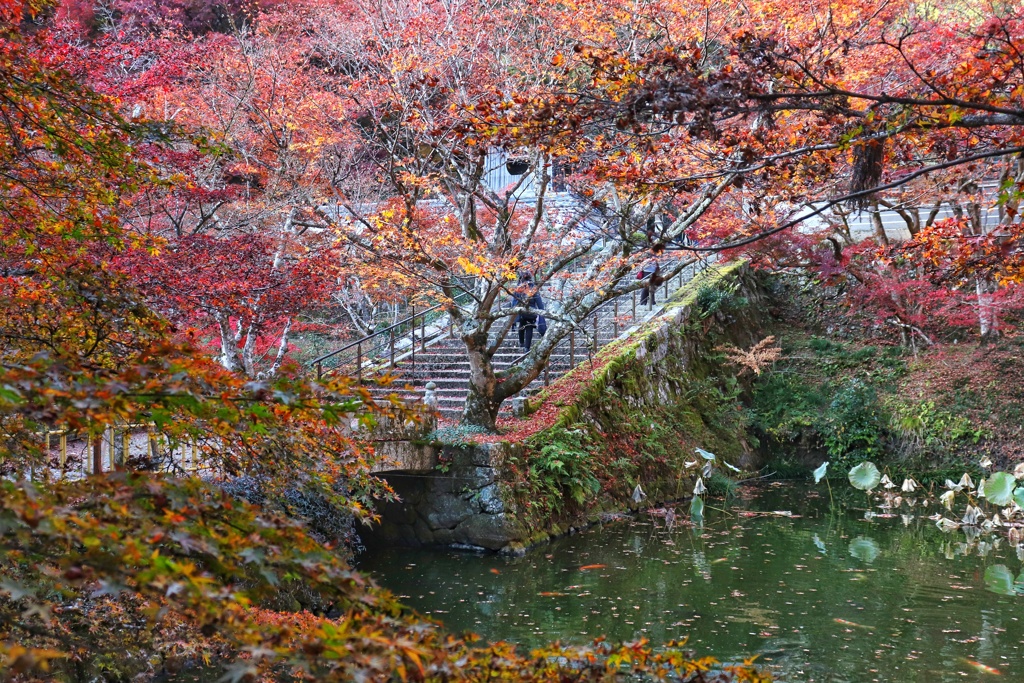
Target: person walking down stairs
(528, 321)
(652, 273)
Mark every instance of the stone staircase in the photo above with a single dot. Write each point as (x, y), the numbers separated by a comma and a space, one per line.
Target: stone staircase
(425, 353)
(445, 364)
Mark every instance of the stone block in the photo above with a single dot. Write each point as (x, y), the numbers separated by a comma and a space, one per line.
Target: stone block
(481, 455)
(519, 406)
(493, 532)
(447, 511)
(423, 533)
(444, 536)
(404, 455)
(490, 500)
(480, 477)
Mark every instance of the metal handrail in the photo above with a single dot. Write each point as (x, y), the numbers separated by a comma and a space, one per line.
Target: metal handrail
(390, 348)
(594, 314)
(318, 363)
(387, 352)
(368, 337)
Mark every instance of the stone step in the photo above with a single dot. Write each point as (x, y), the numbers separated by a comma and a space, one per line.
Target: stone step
(444, 361)
(459, 375)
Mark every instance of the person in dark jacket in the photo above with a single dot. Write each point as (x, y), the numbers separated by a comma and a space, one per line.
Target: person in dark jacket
(526, 322)
(652, 273)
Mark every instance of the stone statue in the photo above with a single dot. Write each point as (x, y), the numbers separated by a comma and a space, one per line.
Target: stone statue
(430, 396)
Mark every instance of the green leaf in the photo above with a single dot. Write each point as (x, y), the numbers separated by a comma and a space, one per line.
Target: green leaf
(1018, 496)
(697, 509)
(999, 488)
(865, 476)
(999, 579)
(819, 473)
(10, 395)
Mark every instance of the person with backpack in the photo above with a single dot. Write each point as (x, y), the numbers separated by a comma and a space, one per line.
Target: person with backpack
(527, 321)
(652, 273)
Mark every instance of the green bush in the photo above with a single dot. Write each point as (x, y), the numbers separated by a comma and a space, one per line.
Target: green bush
(924, 428)
(785, 407)
(721, 485)
(854, 426)
(565, 464)
(712, 298)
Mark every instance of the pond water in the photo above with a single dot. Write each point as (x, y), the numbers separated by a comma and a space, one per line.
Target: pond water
(824, 595)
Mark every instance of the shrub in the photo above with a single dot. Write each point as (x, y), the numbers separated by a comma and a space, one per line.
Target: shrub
(853, 427)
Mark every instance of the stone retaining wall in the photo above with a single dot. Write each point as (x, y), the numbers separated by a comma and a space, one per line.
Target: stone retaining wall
(460, 506)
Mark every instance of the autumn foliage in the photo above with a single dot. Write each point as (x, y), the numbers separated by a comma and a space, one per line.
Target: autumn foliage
(197, 196)
(141, 574)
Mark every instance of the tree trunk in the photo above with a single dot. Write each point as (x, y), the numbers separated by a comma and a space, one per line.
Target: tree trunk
(486, 392)
(482, 404)
(987, 323)
(228, 349)
(480, 410)
(876, 221)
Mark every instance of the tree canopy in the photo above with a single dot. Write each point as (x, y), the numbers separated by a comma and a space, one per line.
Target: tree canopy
(198, 196)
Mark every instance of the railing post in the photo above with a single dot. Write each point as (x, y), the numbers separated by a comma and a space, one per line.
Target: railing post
(391, 344)
(634, 305)
(615, 318)
(572, 348)
(595, 314)
(412, 333)
(319, 370)
(359, 361)
(666, 291)
(423, 333)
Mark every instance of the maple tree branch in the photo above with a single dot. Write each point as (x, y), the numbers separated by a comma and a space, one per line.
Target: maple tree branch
(1014, 117)
(852, 196)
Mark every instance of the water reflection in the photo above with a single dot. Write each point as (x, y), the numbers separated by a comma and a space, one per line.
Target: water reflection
(821, 595)
(864, 549)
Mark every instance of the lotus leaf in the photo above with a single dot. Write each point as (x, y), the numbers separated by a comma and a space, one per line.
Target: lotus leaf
(999, 488)
(865, 476)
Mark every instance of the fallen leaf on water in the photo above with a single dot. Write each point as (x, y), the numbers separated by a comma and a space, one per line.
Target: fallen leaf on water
(844, 622)
(984, 668)
(551, 594)
(591, 566)
(495, 571)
